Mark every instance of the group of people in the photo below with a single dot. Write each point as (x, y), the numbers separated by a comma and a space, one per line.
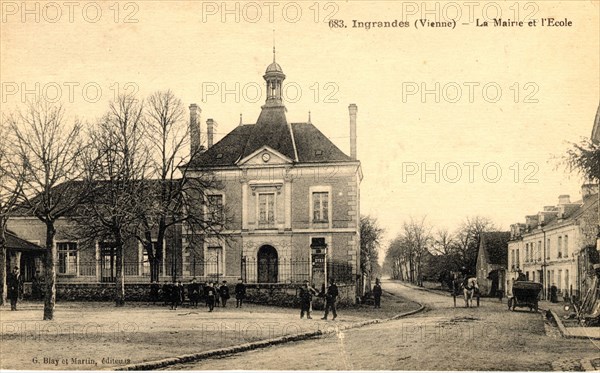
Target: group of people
(213, 293)
(306, 294)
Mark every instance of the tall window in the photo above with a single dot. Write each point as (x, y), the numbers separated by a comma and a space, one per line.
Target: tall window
(215, 207)
(539, 250)
(526, 252)
(567, 281)
(214, 261)
(266, 208)
(67, 258)
(145, 263)
(320, 207)
(560, 244)
(566, 246)
(518, 259)
(559, 280)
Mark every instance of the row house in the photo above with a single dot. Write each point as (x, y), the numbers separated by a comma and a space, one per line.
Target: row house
(548, 248)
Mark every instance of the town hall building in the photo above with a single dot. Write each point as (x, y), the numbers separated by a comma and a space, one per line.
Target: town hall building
(293, 197)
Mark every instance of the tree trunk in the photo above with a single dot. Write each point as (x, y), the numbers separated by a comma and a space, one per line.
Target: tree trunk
(50, 272)
(2, 262)
(119, 276)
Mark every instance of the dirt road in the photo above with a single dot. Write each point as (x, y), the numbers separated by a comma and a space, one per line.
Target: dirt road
(441, 338)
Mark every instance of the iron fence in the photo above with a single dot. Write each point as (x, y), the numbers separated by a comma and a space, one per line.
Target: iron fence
(252, 270)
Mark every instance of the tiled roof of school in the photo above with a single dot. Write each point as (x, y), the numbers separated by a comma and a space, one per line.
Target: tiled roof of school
(272, 130)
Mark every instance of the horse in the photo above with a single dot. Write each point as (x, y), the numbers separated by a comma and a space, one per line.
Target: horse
(469, 286)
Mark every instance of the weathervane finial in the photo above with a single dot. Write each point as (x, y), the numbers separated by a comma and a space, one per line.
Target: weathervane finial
(273, 45)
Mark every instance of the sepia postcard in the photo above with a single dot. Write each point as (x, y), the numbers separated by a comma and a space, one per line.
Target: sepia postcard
(300, 185)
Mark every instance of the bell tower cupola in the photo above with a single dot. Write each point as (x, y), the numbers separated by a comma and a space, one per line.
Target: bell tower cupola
(274, 78)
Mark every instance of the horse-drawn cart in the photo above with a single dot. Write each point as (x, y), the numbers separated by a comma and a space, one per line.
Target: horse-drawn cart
(525, 294)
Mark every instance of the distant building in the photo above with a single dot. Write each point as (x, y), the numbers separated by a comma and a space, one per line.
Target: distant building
(492, 262)
(548, 247)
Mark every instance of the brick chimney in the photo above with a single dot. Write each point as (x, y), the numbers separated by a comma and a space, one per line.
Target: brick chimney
(195, 128)
(588, 190)
(564, 199)
(210, 131)
(353, 109)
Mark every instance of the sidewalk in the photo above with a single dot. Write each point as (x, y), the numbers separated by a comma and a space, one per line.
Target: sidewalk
(569, 328)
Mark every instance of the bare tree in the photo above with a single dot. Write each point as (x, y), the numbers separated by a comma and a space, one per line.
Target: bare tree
(47, 156)
(370, 239)
(176, 198)
(117, 165)
(417, 234)
(443, 241)
(467, 240)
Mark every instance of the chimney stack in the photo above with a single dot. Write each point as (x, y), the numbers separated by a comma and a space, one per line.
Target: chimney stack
(195, 128)
(210, 131)
(353, 109)
(588, 190)
(564, 199)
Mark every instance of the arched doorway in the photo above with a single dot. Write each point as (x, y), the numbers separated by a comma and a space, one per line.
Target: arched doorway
(267, 264)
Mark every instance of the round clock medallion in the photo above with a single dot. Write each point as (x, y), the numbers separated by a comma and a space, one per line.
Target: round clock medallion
(266, 157)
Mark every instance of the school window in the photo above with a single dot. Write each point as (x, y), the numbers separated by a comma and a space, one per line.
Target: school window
(214, 261)
(67, 258)
(266, 208)
(320, 207)
(539, 250)
(559, 254)
(518, 260)
(566, 246)
(215, 207)
(526, 252)
(145, 263)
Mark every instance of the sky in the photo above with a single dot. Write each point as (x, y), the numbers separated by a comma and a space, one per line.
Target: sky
(452, 121)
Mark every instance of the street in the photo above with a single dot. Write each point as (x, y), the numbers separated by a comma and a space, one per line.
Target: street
(440, 338)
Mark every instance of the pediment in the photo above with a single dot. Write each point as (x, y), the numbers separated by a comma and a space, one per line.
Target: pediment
(264, 156)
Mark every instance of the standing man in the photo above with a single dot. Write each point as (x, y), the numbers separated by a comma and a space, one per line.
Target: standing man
(194, 292)
(210, 293)
(14, 287)
(330, 298)
(240, 293)
(224, 291)
(154, 289)
(377, 293)
(166, 293)
(174, 294)
(306, 294)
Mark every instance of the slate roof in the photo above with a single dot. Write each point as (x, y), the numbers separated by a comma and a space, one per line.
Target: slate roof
(273, 130)
(496, 246)
(16, 243)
